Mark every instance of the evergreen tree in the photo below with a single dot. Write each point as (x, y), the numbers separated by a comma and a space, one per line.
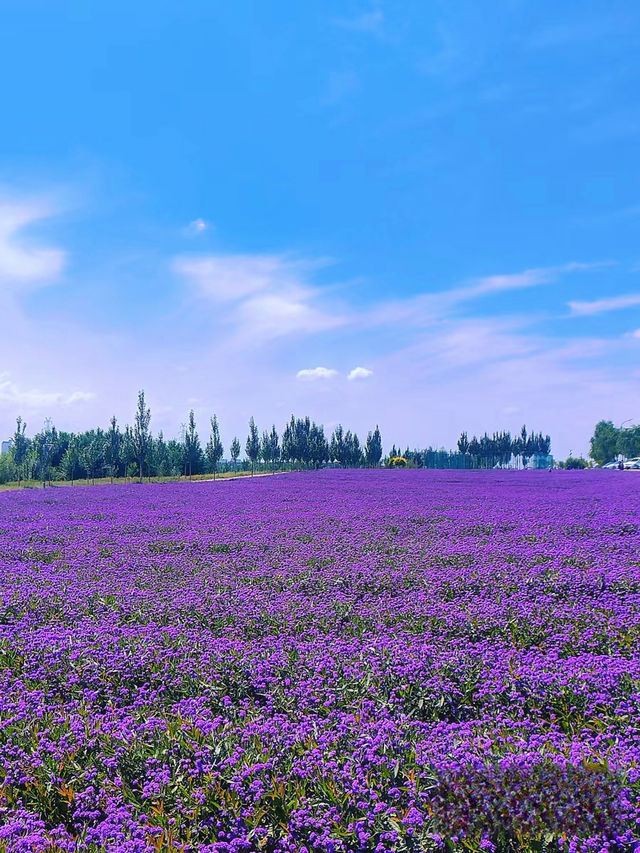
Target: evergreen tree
(252, 445)
(140, 436)
(214, 448)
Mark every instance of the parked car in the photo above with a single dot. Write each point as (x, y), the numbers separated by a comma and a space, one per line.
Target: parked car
(610, 466)
(632, 465)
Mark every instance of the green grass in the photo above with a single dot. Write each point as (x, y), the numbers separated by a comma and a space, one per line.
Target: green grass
(105, 481)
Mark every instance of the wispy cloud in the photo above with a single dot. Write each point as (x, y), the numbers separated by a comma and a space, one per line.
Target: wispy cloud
(225, 278)
(23, 262)
(13, 394)
(267, 296)
(428, 308)
(359, 373)
(600, 306)
(314, 373)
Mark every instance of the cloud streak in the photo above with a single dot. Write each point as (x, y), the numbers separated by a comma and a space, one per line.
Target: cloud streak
(12, 394)
(600, 306)
(22, 262)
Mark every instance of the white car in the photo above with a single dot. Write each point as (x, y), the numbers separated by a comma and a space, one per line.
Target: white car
(632, 465)
(610, 466)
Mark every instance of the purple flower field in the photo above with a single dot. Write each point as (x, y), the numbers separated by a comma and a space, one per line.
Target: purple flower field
(324, 662)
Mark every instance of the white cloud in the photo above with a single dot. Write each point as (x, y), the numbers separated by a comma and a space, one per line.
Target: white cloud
(312, 374)
(359, 373)
(599, 306)
(12, 394)
(428, 308)
(272, 316)
(224, 278)
(22, 262)
(198, 226)
(636, 334)
(80, 397)
(267, 295)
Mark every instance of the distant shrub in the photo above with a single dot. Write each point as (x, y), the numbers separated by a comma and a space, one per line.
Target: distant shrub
(576, 463)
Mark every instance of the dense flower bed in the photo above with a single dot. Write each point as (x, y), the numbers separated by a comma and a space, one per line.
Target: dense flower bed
(323, 662)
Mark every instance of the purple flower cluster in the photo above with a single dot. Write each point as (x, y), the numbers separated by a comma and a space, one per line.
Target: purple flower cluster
(331, 662)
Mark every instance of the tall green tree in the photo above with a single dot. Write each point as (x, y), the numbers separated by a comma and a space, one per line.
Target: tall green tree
(274, 446)
(265, 448)
(214, 448)
(192, 447)
(337, 446)
(71, 459)
(140, 435)
(20, 447)
(113, 448)
(604, 442)
(373, 448)
(235, 451)
(93, 455)
(252, 446)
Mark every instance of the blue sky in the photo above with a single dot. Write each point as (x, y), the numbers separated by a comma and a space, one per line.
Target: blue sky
(419, 214)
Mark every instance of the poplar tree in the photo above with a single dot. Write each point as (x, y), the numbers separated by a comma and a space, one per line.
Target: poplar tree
(235, 451)
(20, 446)
(113, 447)
(140, 435)
(373, 447)
(214, 449)
(274, 446)
(192, 448)
(265, 448)
(70, 459)
(252, 446)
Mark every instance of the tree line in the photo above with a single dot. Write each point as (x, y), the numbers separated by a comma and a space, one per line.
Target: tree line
(135, 452)
(488, 451)
(608, 442)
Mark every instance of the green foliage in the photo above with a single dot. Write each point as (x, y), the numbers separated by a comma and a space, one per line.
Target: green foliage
(604, 442)
(373, 447)
(576, 463)
(214, 448)
(252, 446)
(140, 436)
(193, 456)
(235, 450)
